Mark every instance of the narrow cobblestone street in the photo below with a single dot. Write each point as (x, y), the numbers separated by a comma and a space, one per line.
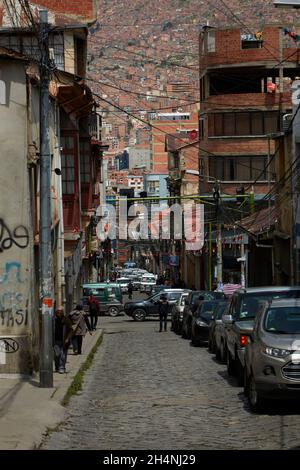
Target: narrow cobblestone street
(147, 390)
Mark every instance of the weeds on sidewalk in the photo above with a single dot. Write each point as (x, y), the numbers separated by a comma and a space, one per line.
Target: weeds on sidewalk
(76, 385)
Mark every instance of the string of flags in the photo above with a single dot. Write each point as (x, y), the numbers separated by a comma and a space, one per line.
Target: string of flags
(292, 34)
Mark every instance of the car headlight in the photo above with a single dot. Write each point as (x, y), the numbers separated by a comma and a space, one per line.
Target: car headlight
(276, 352)
(201, 323)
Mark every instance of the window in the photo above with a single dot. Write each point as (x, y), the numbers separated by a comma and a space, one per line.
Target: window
(211, 41)
(243, 123)
(68, 165)
(240, 168)
(85, 162)
(201, 128)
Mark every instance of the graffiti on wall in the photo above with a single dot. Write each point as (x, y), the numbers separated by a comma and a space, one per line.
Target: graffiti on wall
(9, 237)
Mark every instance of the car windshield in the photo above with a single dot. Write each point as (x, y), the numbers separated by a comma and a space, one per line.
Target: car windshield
(174, 295)
(251, 302)
(220, 310)
(282, 320)
(93, 291)
(206, 310)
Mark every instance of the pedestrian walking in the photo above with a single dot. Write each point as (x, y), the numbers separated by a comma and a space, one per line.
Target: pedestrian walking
(80, 326)
(61, 330)
(94, 310)
(130, 290)
(163, 310)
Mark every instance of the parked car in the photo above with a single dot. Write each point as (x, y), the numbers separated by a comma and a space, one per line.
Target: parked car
(216, 320)
(272, 357)
(177, 313)
(220, 337)
(105, 294)
(123, 283)
(201, 321)
(243, 307)
(190, 304)
(140, 309)
(147, 281)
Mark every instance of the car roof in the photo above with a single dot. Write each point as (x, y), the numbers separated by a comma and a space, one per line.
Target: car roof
(277, 303)
(174, 290)
(96, 284)
(250, 290)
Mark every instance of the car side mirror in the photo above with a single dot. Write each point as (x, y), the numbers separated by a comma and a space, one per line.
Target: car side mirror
(227, 319)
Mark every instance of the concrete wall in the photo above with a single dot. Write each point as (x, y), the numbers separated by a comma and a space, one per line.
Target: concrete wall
(139, 157)
(16, 254)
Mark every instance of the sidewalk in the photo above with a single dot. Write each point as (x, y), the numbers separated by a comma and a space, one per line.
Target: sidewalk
(27, 411)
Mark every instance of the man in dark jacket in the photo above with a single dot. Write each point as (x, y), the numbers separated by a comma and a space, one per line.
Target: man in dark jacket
(163, 310)
(62, 328)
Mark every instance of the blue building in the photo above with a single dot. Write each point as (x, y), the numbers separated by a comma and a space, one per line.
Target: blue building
(156, 185)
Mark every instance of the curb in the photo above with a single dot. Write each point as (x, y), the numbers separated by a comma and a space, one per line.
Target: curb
(77, 381)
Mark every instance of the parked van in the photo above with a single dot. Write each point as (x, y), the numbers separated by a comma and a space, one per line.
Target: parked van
(107, 294)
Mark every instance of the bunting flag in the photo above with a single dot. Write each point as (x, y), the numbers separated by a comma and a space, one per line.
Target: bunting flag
(292, 34)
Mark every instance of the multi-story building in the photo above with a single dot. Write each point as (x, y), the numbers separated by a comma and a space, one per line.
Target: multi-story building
(73, 166)
(244, 93)
(164, 124)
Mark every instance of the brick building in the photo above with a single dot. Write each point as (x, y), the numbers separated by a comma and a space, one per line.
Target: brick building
(169, 123)
(243, 103)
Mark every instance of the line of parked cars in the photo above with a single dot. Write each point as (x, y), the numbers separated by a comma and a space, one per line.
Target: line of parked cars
(141, 279)
(256, 333)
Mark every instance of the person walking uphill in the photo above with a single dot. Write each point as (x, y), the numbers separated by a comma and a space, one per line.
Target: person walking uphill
(80, 326)
(163, 310)
(94, 309)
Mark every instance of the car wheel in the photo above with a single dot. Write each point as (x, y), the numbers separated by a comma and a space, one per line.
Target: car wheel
(240, 373)
(113, 312)
(223, 353)
(256, 402)
(230, 363)
(246, 383)
(139, 315)
(218, 354)
(194, 341)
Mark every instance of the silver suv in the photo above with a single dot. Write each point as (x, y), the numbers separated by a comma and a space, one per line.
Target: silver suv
(272, 356)
(239, 322)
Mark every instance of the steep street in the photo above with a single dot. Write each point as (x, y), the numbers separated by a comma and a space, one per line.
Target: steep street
(150, 390)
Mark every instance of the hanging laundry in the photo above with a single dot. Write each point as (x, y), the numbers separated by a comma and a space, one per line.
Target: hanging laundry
(292, 34)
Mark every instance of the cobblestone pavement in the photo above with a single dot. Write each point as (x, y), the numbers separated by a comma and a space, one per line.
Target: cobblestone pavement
(150, 390)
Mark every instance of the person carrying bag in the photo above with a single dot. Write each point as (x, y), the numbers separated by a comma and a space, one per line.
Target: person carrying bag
(80, 326)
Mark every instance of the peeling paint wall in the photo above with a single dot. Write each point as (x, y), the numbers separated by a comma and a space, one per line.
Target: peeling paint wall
(16, 245)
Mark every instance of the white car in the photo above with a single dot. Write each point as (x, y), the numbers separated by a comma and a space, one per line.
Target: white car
(123, 281)
(147, 282)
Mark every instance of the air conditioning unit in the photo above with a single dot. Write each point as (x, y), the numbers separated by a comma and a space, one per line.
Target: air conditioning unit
(286, 122)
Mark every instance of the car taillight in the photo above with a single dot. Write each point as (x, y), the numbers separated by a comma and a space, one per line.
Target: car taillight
(243, 340)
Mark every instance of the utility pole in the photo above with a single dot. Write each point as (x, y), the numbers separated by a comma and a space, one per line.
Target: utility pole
(46, 288)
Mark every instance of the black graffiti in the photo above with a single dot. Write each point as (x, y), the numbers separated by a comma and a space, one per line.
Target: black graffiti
(8, 345)
(19, 236)
(9, 319)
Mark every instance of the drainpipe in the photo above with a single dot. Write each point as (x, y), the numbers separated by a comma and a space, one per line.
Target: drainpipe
(60, 242)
